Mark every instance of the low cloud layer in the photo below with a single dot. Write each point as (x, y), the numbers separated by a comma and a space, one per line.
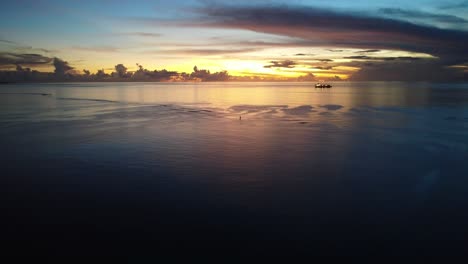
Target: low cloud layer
(28, 59)
(281, 64)
(367, 58)
(368, 51)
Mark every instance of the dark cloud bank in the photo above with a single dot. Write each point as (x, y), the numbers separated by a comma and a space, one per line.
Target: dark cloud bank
(321, 27)
(331, 28)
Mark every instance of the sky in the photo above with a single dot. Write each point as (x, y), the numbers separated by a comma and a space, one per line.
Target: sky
(356, 40)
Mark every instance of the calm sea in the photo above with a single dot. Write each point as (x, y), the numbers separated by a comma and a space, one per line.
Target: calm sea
(250, 168)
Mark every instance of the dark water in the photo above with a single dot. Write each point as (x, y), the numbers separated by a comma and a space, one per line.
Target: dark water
(145, 169)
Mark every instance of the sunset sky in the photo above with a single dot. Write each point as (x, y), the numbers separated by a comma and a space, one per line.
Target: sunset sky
(357, 39)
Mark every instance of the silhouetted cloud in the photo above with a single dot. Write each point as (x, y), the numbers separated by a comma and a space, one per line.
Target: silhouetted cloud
(206, 75)
(281, 64)
(121, 70)
(363, 57)
(19, 48)
(61, 67)
(310, 77)
(9, 58)
(304, 54)
(324, 60)
(368, 51)
(65, 72)
(322, 67)
(360, 57)
(22, 73)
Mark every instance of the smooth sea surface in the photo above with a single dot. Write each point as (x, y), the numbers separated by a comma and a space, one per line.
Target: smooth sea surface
(241, 168)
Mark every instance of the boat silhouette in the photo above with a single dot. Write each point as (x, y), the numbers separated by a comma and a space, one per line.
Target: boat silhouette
(323, 85)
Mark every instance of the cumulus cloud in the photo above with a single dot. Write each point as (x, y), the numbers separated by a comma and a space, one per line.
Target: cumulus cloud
(61, 67)
(121, 70)
(206, 75)
(22, 62)
(310, 77)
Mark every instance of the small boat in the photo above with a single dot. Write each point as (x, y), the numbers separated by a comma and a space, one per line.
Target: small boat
(323, 85)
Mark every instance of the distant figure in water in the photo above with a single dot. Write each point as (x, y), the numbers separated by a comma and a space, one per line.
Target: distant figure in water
(240, 117)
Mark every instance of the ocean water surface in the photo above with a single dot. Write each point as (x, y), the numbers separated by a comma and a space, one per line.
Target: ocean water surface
(264, 168)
